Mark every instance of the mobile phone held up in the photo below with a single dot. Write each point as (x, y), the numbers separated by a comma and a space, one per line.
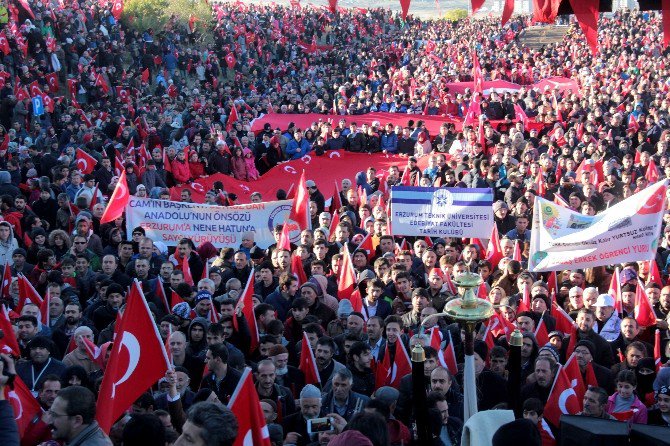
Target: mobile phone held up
(317, 425)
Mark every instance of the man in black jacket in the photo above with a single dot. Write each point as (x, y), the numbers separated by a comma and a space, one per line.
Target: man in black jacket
(316, 196)
(295, 426)
(221, 379)
(355, 139)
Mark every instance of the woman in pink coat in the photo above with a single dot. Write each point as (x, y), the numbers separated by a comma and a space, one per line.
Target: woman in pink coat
(238, 165)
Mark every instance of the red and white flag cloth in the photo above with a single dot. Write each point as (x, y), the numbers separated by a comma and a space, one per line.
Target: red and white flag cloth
(137, 361)
(247, 303)
(244, 403)
(562, 399)
(300, 208)
(85, 162)
(307, 362)
(118, 201)
(23, 403)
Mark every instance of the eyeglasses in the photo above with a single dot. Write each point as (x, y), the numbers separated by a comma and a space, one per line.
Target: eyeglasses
(79, 243)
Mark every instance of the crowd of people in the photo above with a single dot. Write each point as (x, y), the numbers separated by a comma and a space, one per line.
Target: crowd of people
(171, 105)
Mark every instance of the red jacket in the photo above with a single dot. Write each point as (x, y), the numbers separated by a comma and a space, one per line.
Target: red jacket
(180, 171)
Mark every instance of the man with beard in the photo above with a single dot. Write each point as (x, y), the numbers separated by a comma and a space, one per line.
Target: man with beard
(295, 425)
(66, 326)
(267, 388)
(326, 365)
(72, 418)
(341, 399)
(406, 392)
(359, 359)
(545, 371)
(584, 354)
(287, 375)
(603, 352)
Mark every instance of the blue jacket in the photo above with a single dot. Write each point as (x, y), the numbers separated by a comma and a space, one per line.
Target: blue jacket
(9, 431)
(389, 142)
(292, 148)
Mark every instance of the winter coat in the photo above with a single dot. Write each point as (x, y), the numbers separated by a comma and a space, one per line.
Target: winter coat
(238, 167)
(180, 171)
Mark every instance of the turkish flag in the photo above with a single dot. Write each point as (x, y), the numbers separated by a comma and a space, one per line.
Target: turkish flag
(300, 208)
(297, 268)
(562, 399)
(564, 322)
(51, 44)
(404, 5)
(346, 279)
(633, 125)
(335, 202)
(175, 298)
(447, 357)
(122, 94)
(52, 81)
(26, 6)
(27, 292)
(230, 60)
(573, 373)
(186, 269)
(586, 13)
(644, 312)
(654, 274)
(35, 89)
(652, 174)
(24, 405)
(308, 363)
(9, 341)
(519, 113)
(145, 75)
(248, 312)
(172, 91)
(6, 281)
(85, 162)
(494, 251)
(390, 374)
(366, 245)
(284, 242)
(72, 87)
(541, 334)
(100, 82)
(118, 201)
(232, 118)
(524, 303)
(160, 293)
(655, 202)
(94, 197)
(138, 359)
(117, 9)
(94, 352)
(615, 291)
(246, 407)
(552, 283)
(4, 43)
(334, 222)
(48, 103)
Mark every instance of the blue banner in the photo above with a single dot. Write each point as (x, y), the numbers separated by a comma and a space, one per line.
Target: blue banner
(442, 212)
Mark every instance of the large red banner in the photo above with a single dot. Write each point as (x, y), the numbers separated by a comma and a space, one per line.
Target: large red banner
(325, 170)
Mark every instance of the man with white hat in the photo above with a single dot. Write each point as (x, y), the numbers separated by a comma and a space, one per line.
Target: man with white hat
(608, 324)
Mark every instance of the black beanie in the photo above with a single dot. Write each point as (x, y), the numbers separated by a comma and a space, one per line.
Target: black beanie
(519, 432)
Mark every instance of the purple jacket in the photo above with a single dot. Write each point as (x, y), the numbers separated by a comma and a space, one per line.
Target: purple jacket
(638, 408)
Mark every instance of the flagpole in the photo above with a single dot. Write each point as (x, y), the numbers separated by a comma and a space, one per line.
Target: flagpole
(419, 394)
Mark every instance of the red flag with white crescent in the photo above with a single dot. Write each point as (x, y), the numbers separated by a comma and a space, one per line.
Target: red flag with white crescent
(118, 201)
(137, 361)
(85, 162)
(244, 403)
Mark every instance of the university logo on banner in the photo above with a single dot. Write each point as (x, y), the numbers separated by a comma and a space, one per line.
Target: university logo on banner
(442, 212)
(626, 232)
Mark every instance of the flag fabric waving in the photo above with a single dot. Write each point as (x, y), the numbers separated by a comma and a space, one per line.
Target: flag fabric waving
(138, 359)
(247, 304)
(300, 209)
(246, 407)
(308, 363)
(118, 201)
(23, 403)
(562, 398)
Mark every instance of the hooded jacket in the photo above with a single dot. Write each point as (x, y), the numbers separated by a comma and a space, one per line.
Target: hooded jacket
(195, 348)
(7, 247)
